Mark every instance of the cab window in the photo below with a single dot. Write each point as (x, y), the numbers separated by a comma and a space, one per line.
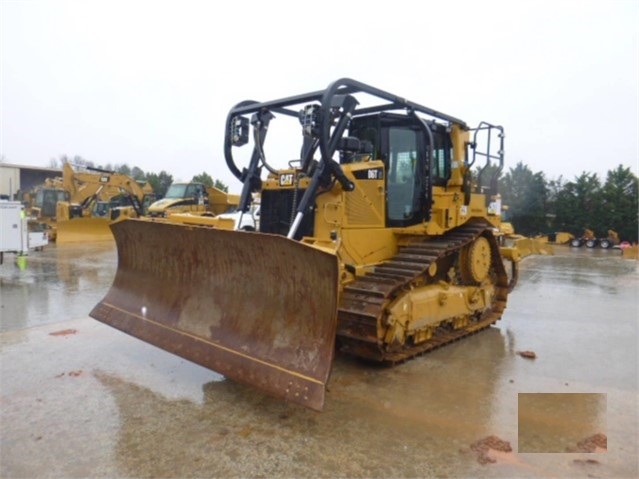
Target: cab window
(442, 153)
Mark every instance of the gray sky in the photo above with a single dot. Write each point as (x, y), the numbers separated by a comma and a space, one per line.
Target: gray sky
(149, 83)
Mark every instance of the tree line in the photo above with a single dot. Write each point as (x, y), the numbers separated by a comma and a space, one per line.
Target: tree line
(536, 205)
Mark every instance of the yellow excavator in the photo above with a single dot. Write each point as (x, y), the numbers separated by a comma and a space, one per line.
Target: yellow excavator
(93, 193)
(83, 194)
(374, 239)
(102, 186)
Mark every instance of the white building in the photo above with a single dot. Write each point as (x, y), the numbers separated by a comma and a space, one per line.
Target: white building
(15, 179)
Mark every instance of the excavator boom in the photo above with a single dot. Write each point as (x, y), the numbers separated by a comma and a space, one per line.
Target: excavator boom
(263, 313)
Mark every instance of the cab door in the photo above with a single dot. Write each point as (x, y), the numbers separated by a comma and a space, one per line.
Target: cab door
(408, 193)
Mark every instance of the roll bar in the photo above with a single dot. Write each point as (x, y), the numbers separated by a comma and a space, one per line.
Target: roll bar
(324, 123)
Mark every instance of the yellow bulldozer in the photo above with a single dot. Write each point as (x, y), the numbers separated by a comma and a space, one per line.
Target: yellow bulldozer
(374, 240)
(41, 203)
(525, 246)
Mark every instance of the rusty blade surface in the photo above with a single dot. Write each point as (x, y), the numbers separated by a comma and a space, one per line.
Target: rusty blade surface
(257, 308)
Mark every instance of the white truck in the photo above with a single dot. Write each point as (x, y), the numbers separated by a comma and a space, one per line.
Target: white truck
(15, 236)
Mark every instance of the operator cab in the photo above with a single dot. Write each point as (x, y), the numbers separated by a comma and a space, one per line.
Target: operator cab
(412, 164)
(190, 193)
(48, 198)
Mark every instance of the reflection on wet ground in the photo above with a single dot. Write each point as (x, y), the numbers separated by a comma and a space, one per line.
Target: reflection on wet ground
(98, 403)
(57, 284)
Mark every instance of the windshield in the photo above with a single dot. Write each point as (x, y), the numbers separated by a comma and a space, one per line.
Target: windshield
(176, 191)
(50, 196)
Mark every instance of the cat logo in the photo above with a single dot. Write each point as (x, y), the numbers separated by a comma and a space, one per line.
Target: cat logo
(286, 179)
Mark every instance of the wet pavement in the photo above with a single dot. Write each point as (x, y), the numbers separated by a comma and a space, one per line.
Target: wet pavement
(80, 399)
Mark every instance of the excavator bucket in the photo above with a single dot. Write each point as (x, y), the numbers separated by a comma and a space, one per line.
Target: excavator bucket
(258, 308)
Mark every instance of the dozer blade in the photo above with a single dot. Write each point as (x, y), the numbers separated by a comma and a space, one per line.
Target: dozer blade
(83, 229)
(260, 309)
(532, 246)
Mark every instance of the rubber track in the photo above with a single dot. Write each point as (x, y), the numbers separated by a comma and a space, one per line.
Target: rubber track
(363, 303)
